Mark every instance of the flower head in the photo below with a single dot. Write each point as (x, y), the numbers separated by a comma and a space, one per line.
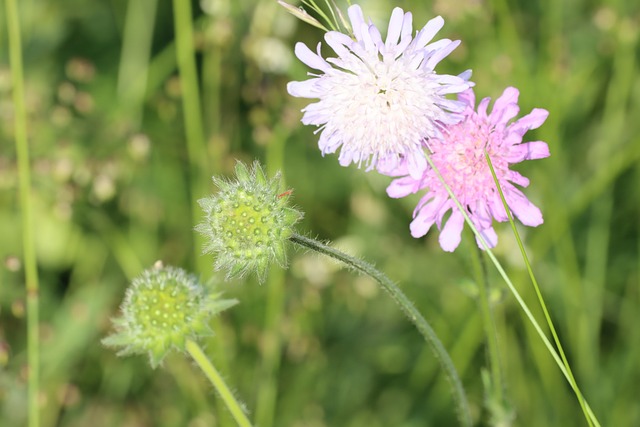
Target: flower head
(459, 155)
(248, 222)
(162, 309)
(380, 100)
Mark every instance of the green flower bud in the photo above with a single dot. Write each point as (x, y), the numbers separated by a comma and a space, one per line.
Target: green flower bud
(247, 223)
(162, 309)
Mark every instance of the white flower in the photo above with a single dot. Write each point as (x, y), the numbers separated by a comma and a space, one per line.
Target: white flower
(380, 101)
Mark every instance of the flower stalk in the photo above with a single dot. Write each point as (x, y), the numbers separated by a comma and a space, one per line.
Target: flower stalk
(483, 244)
(408, 309)
(237, 410)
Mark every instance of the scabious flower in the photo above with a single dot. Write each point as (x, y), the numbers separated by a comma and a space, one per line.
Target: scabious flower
(247, 223)
(162, 309)
(459, 155)
(379, 101)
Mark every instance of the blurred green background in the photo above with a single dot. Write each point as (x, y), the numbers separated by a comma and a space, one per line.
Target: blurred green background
(115, 177)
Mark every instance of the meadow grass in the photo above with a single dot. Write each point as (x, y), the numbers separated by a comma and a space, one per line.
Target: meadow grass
(128, 116)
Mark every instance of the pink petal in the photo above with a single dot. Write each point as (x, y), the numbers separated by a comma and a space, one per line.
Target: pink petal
(506, 107)
(450, 235)
(482, 109)
(527, 151)
(517, 178)
(421, 225)
(533, 120)
(500, 117)
(432, 205)
(509, 96)
(468, 97)
(497, 208)
(481, 215)
(490, 237)
(402, 187)
(523, 209)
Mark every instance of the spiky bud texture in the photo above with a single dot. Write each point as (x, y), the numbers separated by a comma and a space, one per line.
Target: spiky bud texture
(162, 309)
(247, 223)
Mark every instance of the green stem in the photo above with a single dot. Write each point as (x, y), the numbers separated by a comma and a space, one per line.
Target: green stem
(213, 375)
(590, 416)
(267, 390)
(198, 172)
(525, 257)
(192, 111)
(496, 391)
(133, 69)
(409, 309)
(267, 394)
(185, 54)
(24, 174)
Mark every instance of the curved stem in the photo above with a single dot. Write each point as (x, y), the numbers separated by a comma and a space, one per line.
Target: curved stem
(218, 383)
(24, 175)
(409, 309)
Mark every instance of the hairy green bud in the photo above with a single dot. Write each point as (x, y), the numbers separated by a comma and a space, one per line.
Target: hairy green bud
(162, 309)
(247, 223)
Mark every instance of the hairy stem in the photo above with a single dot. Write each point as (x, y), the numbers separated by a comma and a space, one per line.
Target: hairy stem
(409, 309)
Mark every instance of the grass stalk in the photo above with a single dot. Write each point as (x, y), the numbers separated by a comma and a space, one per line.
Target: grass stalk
(543, 305)
(266, 400)
(496, 391)
(198, 159)
(28, 245)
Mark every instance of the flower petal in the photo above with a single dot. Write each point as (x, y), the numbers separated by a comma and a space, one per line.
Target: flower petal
(533, 120)
(528, 151)
(441, 53)
(402, 187)
(427, 32)
(357, 20)
(450, 235)
(506, 107)
(527, 212)
(395, 28)
(311, 59)
(490, 237)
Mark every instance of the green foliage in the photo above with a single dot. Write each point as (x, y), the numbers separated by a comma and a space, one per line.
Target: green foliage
(114, 187)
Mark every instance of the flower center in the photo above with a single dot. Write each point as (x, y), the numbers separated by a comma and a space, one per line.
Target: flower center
(380, 109)
(461, 161)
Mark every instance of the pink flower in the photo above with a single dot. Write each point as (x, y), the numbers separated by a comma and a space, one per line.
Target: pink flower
(379, 100)
(459, 156)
